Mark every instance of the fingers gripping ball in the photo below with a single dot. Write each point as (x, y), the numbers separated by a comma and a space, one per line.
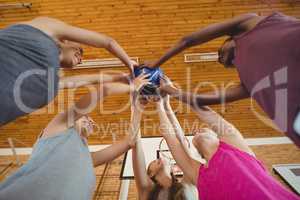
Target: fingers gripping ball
(154, 77)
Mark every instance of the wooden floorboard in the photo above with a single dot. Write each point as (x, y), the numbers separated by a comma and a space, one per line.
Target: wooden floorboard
(109, 189)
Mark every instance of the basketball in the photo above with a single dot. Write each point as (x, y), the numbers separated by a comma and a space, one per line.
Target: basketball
(154, 76)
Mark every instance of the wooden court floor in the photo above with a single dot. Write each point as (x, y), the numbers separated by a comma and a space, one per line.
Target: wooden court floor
(108, 188)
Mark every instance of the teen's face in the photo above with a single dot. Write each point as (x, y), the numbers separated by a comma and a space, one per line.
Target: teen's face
(226, 53)
(155, 167)
(71, 54)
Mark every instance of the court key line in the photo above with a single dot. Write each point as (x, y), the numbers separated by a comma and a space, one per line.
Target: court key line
(93, 148)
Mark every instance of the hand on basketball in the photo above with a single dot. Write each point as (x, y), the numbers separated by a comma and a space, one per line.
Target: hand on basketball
(140, 81)
(166, 81)
(165, 85)
(131, 67)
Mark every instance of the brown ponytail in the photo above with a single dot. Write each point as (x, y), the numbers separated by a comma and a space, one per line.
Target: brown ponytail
(176, 191)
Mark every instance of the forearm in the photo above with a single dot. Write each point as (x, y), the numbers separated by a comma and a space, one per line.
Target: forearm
(166, 127)
(88, 102)
(119, 52)
(183, 159)
(188, 41)
(210, 98)
(138, 159)
(82, 80)
(110, 153)
(135, 121)
(179, 47)
(173, 119)
(176, 126)
(191, 98)
(139, 167)
(213, 31)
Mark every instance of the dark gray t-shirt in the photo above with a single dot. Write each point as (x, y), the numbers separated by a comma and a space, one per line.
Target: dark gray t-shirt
(29, 62)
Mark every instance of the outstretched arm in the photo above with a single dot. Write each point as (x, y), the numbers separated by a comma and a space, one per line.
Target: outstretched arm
(143, 182)
(112, 152)
(63, 31)
(88, 102)
(229, 95)
(87, 79)
(175, 124)
(225, 130)
(188, 165)
(228, 27)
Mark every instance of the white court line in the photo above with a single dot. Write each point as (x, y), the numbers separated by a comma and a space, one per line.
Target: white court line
(93, 148)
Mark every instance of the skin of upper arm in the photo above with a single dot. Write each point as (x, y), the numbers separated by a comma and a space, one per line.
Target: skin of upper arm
(188, 165)
(228, 27)
(242, 23)
(235, 138)
(225, 130)
(62, 31)
(45, 24)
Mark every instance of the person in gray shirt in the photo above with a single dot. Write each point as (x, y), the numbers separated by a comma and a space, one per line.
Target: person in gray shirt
(31, 54)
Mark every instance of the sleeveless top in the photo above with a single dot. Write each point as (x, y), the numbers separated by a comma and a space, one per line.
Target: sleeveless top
(190, 191)
(268, 62)
(60, 167)
(29, 62)
(236, 175)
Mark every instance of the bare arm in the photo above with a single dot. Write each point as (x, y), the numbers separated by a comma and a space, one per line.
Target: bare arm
(188, 165)
(143, 182)
(88, 102)
(87, 79)
(63, 31)
(228, 27)
(229, 95)
(175, 124)
(112, 152)
(225, 130)
(83, 106)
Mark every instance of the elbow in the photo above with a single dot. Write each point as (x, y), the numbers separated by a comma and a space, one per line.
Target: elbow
(110, 43)
(248, 16)
(251, 15)
(187, 41)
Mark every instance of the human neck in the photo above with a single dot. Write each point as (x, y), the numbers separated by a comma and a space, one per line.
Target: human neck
(165, 180)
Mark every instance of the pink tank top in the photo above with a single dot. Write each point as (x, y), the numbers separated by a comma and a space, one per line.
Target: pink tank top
(268, 61)
(235, 175)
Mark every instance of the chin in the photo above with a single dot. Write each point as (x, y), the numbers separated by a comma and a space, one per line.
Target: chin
(67, 65)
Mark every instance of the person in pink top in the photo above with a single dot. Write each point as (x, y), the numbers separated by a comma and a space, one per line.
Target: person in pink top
(231, 170)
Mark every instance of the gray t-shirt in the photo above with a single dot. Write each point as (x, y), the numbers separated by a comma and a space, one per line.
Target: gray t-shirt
(60, 168)
(29, 62)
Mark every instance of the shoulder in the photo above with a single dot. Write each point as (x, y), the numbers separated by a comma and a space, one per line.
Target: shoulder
(249, 21)
(43, 19)
(48, 25)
